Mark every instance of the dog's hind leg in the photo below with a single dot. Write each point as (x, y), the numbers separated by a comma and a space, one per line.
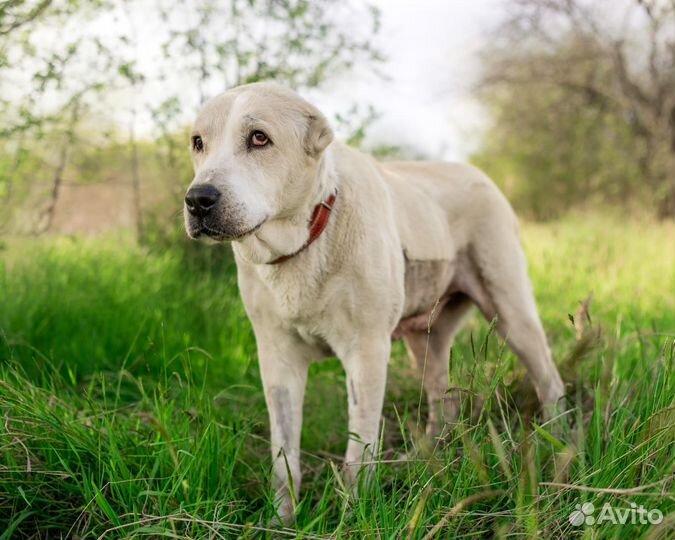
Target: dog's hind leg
(430, 351)
(502, 289)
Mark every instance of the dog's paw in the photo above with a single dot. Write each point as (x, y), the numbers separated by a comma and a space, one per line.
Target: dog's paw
(285, 513)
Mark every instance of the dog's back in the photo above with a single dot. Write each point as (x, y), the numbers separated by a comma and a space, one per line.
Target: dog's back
(439, 203)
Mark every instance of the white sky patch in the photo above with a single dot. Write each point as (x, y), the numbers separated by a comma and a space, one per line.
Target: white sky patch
(426, 103)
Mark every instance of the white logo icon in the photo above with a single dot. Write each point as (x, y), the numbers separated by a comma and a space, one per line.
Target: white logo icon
(583, 513)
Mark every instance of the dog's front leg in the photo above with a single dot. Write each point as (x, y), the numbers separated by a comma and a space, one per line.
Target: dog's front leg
(283, 367)
(366, 369)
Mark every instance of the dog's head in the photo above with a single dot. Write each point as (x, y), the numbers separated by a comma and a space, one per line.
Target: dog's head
(256, 150)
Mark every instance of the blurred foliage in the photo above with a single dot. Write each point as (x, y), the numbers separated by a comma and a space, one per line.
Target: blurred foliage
(582, 107)
(551, 151)
(77, 95)
(582, 97)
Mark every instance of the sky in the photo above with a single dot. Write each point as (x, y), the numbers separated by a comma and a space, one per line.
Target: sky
(431, 48)
(425, 102)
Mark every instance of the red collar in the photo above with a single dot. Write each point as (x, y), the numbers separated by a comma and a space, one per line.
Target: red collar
(317, 224)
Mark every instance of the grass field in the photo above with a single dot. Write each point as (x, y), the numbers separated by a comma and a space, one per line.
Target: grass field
(131, 405)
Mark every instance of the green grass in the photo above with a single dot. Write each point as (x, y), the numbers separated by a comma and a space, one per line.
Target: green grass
(131, 405)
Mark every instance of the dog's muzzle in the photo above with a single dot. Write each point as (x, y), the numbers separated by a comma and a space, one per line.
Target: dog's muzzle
(212, 213)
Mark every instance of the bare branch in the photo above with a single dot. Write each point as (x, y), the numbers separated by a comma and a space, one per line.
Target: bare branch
(17, 20)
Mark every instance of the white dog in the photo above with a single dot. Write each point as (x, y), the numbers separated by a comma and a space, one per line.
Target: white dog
(338, 253)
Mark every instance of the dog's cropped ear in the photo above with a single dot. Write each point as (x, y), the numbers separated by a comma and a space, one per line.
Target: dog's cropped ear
(319, 133)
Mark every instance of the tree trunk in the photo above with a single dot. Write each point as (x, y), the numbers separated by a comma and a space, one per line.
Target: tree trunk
(47, 217)
(666, 204)
(9, 191)
(666, 208)
(136, 180)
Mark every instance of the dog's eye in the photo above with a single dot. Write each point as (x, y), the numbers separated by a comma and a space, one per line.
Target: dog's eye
(197, 143)
(258, 138)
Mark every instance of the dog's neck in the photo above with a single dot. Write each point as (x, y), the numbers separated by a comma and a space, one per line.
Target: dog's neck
(287, 235)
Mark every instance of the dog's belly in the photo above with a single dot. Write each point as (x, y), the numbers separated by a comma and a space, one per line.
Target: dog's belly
(427, 285)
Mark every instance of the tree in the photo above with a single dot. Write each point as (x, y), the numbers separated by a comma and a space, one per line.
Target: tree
(144, 67)
(593, 85)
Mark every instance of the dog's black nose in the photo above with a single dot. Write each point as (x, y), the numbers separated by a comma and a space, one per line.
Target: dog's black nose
(200, 199)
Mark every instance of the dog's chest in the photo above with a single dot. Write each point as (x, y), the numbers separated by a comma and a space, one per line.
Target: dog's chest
(295, 297)
(303, 307)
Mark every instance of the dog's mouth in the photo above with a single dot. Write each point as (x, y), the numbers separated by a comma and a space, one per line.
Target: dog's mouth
(218, 235)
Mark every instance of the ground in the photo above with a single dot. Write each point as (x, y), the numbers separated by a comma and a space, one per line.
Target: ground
(132, 407)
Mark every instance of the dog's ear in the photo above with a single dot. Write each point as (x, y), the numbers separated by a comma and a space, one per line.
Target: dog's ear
(319, 133)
